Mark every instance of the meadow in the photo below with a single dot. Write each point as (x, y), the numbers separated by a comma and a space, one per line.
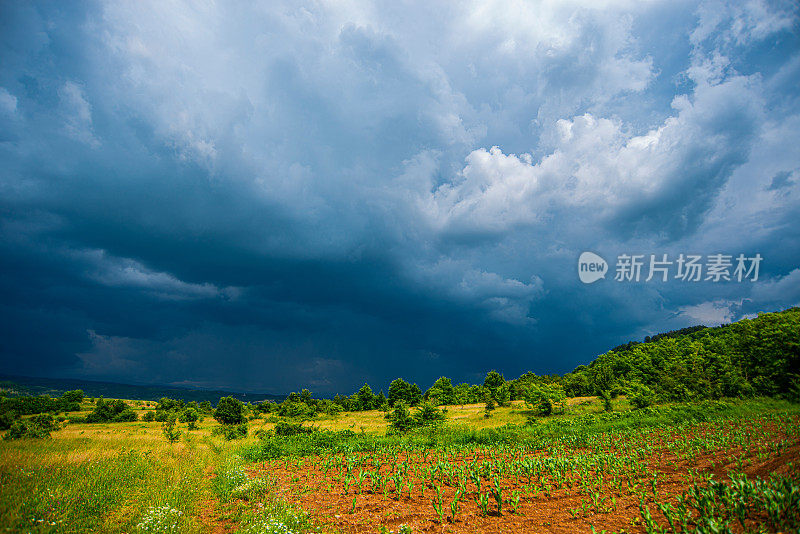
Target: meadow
(727, 465)
(695, 430)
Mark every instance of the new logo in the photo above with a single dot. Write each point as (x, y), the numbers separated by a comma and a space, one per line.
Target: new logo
(591, 267)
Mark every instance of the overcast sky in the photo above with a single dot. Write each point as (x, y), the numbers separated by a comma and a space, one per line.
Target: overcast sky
(283, 195)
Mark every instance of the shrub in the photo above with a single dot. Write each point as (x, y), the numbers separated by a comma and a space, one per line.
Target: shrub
(606, 398)
(503, 395)
(169, 405)
(284, 428)
(149, 416)
(111, 411)
(168, 429)
(126, 416)
(546, 398)
(428, 415)
(73, 397)
(44, 421)
(36, 427)
(487, 410)
(331, 408)
(231, 432)
(189, 415)
(17, 430)
(641, 396)
(7, 419)
(400, 390)
(296, 410)
(400, 417)
(230, 411)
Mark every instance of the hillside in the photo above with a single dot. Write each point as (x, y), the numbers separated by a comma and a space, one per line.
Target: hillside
(758, 356)
(111, 390)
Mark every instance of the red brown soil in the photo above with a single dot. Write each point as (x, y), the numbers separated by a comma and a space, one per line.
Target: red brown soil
(324, 498)
(213, 517)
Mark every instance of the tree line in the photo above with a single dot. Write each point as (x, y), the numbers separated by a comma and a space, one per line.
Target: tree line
(752, 357)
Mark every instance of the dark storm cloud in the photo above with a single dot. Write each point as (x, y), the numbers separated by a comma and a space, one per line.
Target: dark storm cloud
(270, 197)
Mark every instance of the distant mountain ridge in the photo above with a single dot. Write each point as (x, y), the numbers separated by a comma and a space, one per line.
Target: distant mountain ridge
(114, 390)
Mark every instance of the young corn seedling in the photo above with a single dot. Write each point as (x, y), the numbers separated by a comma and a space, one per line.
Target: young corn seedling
(497, 493)
(454, 505)
(514, 501)
(437, 505)
(483, 503)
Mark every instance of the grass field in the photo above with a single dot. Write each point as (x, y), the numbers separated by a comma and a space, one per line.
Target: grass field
(627, 470)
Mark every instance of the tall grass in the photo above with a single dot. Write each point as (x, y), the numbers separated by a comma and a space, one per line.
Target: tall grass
(81, 484)
(577, 430)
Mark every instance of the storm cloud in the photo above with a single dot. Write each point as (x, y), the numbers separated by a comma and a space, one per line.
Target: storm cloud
(283, 195)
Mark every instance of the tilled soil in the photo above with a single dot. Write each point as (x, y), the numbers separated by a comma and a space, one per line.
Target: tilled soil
(561, 510)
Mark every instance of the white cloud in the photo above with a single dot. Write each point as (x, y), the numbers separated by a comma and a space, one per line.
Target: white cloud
(610, 174)
(712, 313)
(8, 102)
(77, 113)
(741, 23)
(505, 299)
(128, 273)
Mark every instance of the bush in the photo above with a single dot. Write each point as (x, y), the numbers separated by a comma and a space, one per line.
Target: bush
(111, 411)
(231, 432)
(605, 396)
(7, 419)
(44, 421)
(170, 405)
(400, 417)
(168, 429)
(18, 430)
(189, 415)
(37, 427)
(296, 410)
(149, 416)
(331, 408)
(641, 396)
(284, 428)
(428, 415)
(546, 398)
(73, 397)
(230, 411)
(503, 395)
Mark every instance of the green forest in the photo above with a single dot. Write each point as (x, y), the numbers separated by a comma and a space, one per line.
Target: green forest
(752, 357)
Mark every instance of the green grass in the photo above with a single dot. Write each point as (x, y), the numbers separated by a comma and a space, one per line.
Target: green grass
(578, 428)
(125, 477)
(77, 484)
